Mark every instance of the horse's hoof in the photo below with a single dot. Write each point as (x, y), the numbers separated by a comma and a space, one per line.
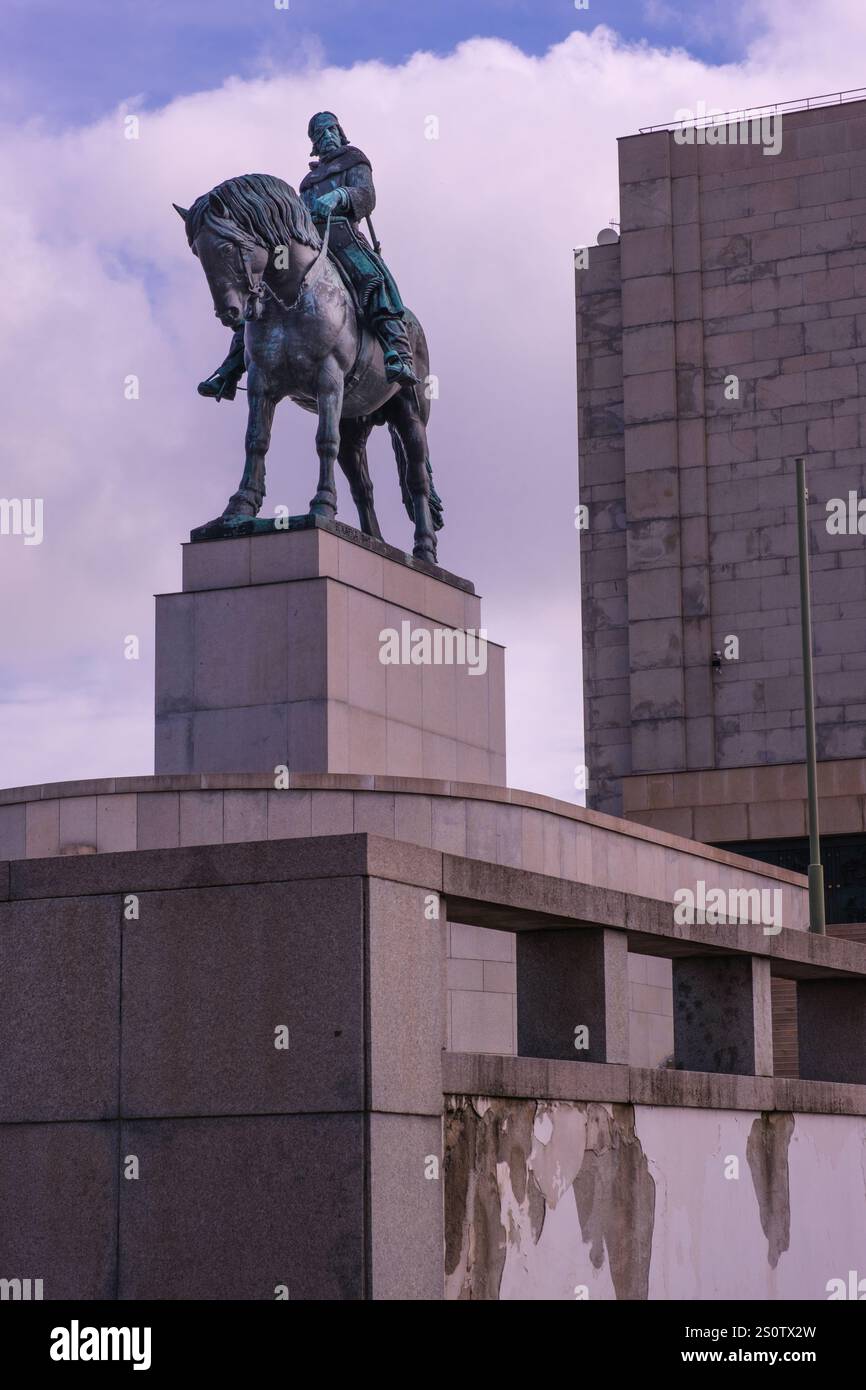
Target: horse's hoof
(322, 506)
(425, 551)
(239, 508)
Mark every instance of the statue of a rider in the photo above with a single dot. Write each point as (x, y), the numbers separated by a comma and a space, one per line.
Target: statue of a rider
(340, 181)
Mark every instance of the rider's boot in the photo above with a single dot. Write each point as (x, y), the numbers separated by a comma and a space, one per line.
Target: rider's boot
(223, 383)
(391, 332)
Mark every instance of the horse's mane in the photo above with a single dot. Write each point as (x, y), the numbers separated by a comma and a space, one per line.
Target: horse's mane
(254, 208)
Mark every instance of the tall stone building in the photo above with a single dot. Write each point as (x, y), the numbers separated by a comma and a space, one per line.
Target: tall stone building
(720, 337)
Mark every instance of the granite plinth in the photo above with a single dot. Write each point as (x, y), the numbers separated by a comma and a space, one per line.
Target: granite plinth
(272, 655)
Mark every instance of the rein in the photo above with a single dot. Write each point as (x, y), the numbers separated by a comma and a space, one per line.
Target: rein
(256, 291)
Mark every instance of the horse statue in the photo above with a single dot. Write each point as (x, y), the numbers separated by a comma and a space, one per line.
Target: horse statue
(267, 266)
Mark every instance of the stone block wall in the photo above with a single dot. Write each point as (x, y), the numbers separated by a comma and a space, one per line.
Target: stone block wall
(732, 264)
(482, 997)
(156, 1142)
(505, 827)
(231, 1091)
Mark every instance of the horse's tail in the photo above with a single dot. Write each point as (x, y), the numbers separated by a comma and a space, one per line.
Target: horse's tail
(437, 511)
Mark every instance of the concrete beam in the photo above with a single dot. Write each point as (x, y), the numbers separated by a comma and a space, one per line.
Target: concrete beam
(532, 1078)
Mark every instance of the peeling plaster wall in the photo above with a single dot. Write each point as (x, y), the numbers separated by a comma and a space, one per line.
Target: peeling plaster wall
(565, 1200)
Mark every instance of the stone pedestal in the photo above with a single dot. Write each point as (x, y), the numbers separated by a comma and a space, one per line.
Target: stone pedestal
(321, 650)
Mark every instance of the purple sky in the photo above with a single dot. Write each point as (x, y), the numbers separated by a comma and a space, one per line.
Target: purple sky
(479, 226)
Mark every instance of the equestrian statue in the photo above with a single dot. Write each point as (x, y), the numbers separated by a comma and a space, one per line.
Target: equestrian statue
(316, 316)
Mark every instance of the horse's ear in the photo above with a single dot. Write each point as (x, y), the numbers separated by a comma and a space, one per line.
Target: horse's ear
(181, 212)
(216, 205)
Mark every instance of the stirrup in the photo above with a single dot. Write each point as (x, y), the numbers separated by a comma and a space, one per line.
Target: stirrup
(219, 386)
(398, 369)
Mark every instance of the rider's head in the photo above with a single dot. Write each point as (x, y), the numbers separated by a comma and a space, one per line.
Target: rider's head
(326, 133)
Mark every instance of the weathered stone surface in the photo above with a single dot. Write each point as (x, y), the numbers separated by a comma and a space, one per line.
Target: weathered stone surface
(722, 1015)
(407, 1190)
(209, 977)
(831, 1030)
(235, 1208)
(407, 927)
(59, 1016)
(58, 1195)
(752, 269)
(572, 991)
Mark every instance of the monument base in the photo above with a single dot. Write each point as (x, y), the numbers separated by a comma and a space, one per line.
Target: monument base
(317, 648)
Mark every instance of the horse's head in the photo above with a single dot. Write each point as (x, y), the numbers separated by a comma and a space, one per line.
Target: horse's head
(234, 262)
(230, 230)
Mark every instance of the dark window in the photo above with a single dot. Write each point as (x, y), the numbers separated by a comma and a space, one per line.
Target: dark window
(844, 858)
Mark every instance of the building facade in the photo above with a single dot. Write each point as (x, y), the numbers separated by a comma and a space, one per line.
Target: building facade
(720, 337)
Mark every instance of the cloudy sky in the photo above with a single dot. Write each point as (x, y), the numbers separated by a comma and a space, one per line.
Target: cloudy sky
(479, 226)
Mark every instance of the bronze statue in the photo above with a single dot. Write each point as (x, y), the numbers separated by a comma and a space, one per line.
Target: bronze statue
(265, 253)
(340, 181)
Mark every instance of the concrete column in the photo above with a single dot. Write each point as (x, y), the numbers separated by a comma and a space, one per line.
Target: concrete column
(831, 1028)
(406, 929)
(568, 979)
(723, 1015)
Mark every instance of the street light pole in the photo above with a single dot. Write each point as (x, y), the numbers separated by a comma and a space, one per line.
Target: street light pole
(816, 869)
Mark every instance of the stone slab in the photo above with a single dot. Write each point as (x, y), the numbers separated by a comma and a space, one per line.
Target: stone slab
(210, 974)
(406, 952)
(233, 1208)
(831, 1030)
(284, 545)
(406, 1194)
(59, 1008)
(58, 1199)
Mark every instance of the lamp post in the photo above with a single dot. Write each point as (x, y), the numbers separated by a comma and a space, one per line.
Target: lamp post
(816, 868)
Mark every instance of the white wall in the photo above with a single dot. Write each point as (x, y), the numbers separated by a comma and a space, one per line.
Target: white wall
(700, 1220)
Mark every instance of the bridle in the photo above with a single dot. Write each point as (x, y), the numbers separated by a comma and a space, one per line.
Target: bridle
(256, 291)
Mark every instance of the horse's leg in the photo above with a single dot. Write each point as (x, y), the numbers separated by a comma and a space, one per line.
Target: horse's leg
(352, 458)
(404, 412)
(329, 393)
(248, 499)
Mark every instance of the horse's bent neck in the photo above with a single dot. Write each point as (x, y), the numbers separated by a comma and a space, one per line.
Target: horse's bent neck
(287, 266)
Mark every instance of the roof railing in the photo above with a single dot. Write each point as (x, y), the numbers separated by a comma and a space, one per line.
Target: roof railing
(755, 112)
